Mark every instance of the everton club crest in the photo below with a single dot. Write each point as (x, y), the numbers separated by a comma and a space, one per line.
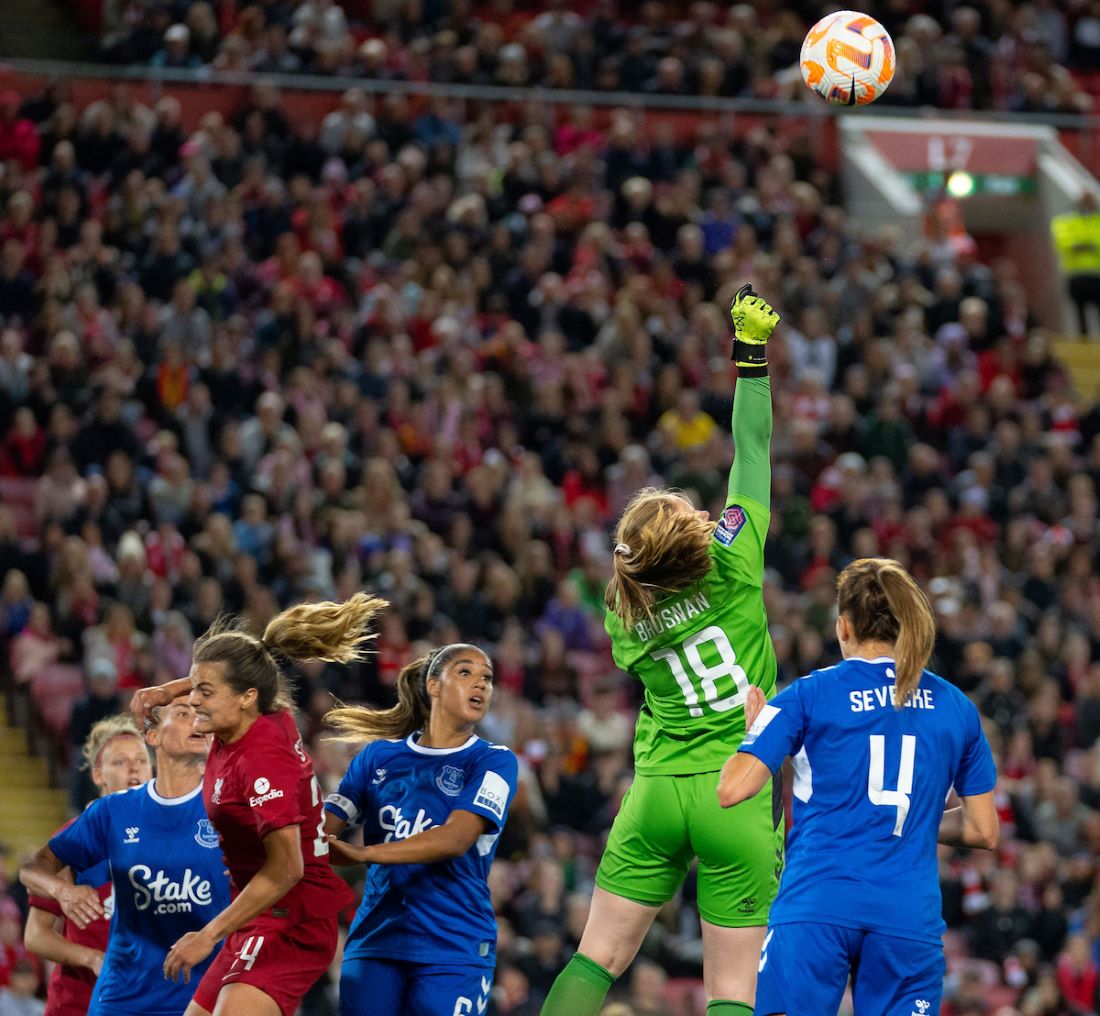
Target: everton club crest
(207, 835)
(450, 780)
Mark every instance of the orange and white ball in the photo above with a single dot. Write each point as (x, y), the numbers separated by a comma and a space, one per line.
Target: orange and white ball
(847, 58)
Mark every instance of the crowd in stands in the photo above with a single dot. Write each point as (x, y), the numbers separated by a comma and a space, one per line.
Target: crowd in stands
(985, 55)
(433, 354)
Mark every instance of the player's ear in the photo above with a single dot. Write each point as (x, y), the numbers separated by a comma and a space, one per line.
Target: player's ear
(843, 628)
(250, 698)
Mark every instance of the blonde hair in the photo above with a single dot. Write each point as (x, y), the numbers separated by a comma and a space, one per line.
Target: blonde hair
(361, 724)
(103, 733)
(334, 632)
(660, 549)
(884, 604)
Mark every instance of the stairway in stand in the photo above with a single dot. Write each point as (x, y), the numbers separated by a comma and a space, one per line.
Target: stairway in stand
(1081, 359)
(30, 809)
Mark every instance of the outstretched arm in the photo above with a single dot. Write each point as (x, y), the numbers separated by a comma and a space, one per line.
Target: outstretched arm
(753, 323)
(440, 843)
(751, 473)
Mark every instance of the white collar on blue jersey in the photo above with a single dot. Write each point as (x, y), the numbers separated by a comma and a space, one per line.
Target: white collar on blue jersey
(877, 659)
(171, 801)
(437, 751)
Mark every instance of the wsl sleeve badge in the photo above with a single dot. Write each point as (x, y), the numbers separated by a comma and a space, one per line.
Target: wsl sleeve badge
(730, 524)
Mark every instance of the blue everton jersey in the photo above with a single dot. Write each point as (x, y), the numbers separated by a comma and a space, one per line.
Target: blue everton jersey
(168, 878)
(434, 913)
(870, 783)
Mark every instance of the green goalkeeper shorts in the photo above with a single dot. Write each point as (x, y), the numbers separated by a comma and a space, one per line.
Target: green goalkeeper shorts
(667, 821)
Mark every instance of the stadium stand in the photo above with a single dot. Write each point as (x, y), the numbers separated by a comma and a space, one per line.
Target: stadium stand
(431, 349)
(951, 56)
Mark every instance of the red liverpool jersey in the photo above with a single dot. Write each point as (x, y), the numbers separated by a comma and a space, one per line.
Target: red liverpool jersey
(263, 782)
(70, 989)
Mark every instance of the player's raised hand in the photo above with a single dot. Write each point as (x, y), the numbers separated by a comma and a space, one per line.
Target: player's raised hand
(145, 700)
(755, 700)
(753, 323)
(80, 904)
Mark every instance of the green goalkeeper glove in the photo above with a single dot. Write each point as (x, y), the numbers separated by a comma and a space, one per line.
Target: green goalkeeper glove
(753, 323)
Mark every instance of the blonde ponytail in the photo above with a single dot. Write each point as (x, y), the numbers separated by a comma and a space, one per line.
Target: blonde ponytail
(660, 549)
(883, 603)
(334, 632)
(916, 629)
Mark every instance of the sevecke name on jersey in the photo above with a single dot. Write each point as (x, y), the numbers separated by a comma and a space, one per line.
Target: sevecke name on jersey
(865, 700)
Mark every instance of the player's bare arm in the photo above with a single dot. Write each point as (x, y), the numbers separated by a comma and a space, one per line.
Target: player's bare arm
(440, 843)
(973, 823)
(145, 700)
(42, 936)
(41, 875)
(282, 871)
(743, 776)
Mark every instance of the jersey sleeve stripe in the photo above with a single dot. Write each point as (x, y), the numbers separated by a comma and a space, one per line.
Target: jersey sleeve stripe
(341, 807)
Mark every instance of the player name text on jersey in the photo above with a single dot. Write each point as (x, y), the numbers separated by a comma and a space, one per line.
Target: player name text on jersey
(672, 616)
(878, 698)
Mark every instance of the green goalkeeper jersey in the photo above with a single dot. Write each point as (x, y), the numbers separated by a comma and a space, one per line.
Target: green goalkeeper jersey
(707, 644)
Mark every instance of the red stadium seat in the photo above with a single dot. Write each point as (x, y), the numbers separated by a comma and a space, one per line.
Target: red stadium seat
(17, 495)
(54, 691)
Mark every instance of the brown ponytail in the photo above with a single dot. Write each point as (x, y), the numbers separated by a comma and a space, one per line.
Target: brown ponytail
(660, 549)
(360, 724)
(334, 632)
(884, 604)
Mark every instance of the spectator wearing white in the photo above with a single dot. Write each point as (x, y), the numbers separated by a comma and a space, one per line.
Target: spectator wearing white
(18, 998)
(325, 19)
(15, 366)
(186, 324)
(812, 348)
(264, 431)
(557, 27)
(198, 186)
(602, 725)
(352, 115)
(176, 51)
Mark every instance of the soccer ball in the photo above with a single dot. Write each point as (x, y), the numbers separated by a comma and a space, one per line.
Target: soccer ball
(847, 58)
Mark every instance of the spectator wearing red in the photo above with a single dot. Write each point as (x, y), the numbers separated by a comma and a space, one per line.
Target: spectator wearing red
(1078, 977)
(23, 452)
(18, 136)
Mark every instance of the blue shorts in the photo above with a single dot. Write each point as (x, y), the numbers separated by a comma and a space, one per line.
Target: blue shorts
(804, 969)
(371, 987)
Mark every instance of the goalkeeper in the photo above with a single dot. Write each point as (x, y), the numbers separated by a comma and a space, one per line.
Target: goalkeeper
(685, 613)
